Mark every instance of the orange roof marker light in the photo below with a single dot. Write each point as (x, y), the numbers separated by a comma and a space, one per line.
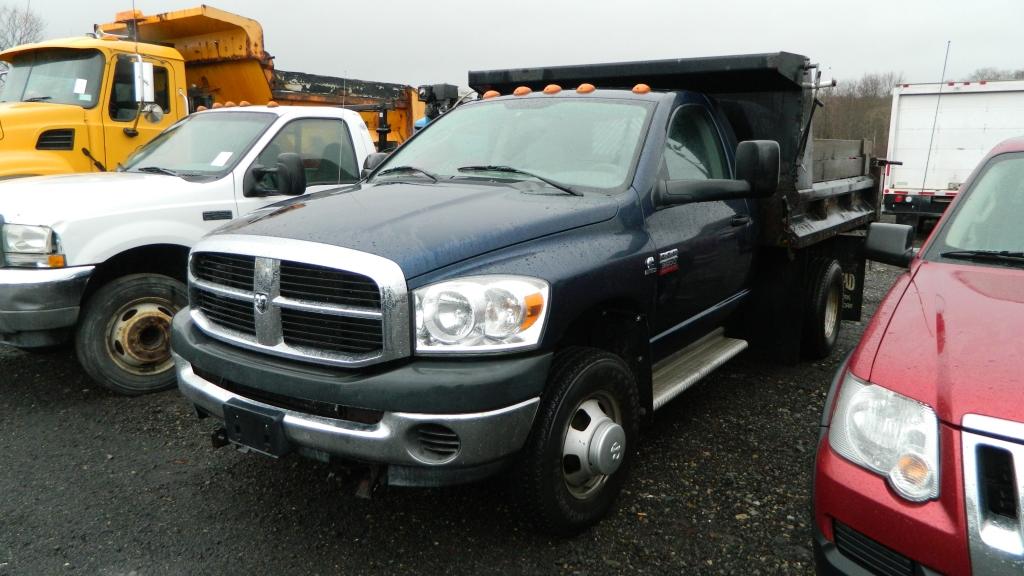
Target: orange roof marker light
(217, 105)
(585, 88)
(244, 103)
(521, 91)
(272, 104)
(552, 89)
(641, 89)
(201, 108)
(229, 104)
(491, 94)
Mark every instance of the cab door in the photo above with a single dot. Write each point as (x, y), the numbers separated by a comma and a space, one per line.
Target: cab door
(124, 129)
(328, 157)
(703, 249)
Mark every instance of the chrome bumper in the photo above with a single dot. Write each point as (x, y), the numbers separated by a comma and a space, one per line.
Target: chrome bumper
(37, 299)
(484, 437)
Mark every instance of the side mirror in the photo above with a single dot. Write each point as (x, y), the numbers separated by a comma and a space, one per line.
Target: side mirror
(289, 176)
(144, 83)
(757, 163)
(372, 161)
(890, 244)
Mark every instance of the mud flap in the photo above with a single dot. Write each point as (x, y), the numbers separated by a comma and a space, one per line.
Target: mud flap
(850, 253)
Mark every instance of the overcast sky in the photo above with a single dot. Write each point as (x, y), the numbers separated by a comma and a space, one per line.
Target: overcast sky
(438, 41)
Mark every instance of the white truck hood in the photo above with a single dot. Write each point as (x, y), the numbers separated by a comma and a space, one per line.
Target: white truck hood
(57, 200)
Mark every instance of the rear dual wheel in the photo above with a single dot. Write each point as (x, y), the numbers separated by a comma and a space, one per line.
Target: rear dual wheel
(124, 334)
(824, 312)
(579, 452)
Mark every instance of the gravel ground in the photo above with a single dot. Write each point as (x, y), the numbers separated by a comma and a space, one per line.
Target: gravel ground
(99, 484)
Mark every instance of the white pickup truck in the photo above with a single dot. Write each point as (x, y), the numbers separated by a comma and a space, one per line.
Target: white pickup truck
(101, 258)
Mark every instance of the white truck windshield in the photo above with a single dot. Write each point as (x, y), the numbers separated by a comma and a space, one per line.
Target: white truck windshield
(203, 144)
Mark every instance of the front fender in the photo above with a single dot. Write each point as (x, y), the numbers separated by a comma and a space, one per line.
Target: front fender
(96, 242)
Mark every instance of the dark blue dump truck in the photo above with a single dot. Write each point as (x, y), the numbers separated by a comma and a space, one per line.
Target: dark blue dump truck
(517, 287)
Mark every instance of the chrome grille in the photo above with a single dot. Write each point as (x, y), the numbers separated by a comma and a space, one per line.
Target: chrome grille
(230, 313)
(993, 454)
(230, 270)
(339, 333)
(299, 299)
(306, 282)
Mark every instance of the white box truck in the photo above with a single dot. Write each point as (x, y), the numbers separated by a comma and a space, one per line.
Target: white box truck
(937, 134)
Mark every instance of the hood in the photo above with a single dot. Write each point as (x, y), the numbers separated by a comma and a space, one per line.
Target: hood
(423, 227)
(954, 342)
(38, 116)
(53, 200)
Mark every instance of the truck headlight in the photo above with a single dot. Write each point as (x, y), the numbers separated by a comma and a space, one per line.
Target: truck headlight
(30, 246)
(480, 314)
(889, 434)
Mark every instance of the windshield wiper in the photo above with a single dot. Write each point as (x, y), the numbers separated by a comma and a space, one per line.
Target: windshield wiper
(38, 99)
(158, 170)
(398, 169)
(998, 255)
(511, 170)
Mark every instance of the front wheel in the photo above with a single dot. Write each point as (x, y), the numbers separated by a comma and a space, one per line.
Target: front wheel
(576, 460)
(124, 335)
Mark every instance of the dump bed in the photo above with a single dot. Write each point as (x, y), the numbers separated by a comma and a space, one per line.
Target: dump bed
(765, 97)
(226, 61)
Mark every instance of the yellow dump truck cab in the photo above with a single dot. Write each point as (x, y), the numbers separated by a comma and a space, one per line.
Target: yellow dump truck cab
(69, 105)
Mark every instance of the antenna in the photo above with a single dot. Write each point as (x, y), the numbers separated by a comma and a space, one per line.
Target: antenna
(935, 118)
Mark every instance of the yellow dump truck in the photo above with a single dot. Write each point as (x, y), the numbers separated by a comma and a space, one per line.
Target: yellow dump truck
(84, 104)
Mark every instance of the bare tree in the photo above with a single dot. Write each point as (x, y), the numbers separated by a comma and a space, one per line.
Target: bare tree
(996, 74)
(858, 109)
(19, 26)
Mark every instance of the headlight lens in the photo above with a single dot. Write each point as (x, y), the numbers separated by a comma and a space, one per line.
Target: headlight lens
(889, 434)
(480, 314)
(30, 246)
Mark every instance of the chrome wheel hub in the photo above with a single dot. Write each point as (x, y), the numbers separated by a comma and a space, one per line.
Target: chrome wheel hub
(832, 306)
(594, 446)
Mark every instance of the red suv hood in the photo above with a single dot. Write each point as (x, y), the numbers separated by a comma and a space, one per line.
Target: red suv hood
(955, 342)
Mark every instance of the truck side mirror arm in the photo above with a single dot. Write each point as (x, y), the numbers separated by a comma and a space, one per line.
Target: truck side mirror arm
(676, 192)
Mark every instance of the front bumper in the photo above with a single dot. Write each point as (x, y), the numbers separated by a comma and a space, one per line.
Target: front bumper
(35, 302)
(489, 404)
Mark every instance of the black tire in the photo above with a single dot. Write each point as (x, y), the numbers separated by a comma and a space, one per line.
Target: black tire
(578, 375)
(123, 337)
(824, 312)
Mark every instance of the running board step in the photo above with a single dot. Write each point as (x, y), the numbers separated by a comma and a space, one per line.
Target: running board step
(685, 368)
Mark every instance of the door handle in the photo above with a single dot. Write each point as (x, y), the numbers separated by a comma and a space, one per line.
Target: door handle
(740, 221)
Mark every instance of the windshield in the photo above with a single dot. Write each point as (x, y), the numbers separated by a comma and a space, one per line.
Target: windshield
(56, 75)
(204, 144)
(586, 143)
(988, 218)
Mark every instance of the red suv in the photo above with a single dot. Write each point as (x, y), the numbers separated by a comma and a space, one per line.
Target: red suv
(920, 464)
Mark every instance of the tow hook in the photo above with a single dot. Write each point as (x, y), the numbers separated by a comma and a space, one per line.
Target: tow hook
(369, 482)
(219, 437)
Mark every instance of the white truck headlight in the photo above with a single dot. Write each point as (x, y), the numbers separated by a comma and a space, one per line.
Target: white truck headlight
(30, 246)
(889, 434)
(480, 314)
